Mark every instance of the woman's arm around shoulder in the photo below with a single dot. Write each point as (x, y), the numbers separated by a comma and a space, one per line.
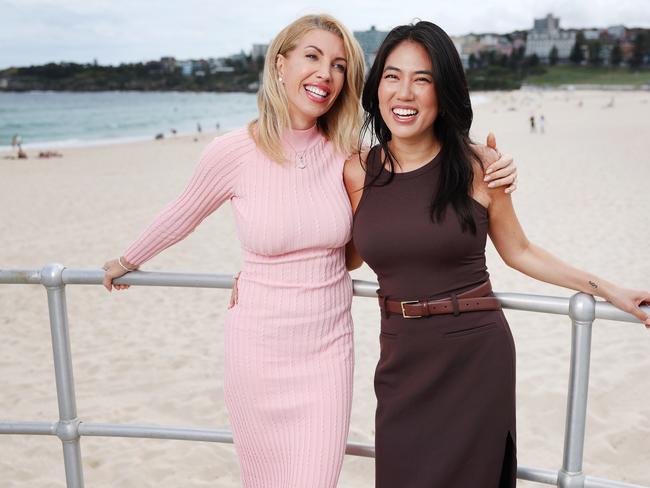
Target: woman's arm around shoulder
(354, 176)
(499, 170)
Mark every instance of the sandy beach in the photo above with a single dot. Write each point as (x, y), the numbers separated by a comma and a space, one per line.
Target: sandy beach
(154, 355)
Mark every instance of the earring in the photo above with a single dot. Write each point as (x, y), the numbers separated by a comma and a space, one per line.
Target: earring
(280, 79)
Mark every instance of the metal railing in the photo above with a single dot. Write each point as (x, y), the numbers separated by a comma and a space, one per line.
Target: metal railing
(581, 308)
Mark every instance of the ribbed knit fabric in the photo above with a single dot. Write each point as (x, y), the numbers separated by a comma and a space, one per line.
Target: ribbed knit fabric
(288, 341)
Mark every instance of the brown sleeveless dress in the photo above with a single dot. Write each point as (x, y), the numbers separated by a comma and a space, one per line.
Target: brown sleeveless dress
(445, 384)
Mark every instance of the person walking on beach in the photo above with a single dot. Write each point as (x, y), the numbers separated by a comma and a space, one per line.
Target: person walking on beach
(542, 123)
(532, 123)
(288, 355)
(445, 381)
(16, 143)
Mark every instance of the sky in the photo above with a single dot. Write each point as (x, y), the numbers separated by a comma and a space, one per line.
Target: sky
(117, 31)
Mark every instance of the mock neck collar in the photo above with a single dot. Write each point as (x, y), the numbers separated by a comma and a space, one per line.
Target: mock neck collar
(301, 139)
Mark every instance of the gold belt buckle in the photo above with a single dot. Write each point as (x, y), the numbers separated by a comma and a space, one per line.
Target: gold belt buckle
(409, 302)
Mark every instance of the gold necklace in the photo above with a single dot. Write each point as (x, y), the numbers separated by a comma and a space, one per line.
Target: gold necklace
(300, 163)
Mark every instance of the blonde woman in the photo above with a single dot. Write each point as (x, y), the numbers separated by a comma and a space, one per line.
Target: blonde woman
(288, 338)
(288, 355)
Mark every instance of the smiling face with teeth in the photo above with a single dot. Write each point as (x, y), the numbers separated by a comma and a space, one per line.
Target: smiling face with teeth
(407, 95)
(313, 74)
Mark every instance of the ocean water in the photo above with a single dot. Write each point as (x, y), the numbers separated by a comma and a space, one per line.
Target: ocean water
(60, 119)
(63, 119)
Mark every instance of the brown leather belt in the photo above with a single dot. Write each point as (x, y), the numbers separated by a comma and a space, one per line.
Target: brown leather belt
(468, 301)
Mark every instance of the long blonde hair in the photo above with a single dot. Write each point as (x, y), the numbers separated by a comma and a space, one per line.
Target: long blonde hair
(341, 123)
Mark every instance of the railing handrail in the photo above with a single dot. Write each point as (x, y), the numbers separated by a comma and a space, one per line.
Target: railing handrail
(79, 276)
(582, 309)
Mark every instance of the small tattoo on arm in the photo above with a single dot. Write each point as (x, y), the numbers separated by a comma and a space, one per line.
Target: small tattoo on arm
(593, 285)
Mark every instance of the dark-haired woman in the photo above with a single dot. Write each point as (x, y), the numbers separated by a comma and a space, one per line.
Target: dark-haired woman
(445, 381)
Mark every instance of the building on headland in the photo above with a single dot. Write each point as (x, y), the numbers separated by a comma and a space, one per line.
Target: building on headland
(218, 65)
(239, 57)
(370, 41)
(617, 31)
(168, 64)
(488, 41)
(545, 35)
(466, 46)
(597, 45)
(259, 51)
(187, 67)
(475, 44)
(591, 34)
(209, 66)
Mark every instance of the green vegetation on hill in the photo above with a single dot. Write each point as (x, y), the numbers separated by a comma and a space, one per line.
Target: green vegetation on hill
(591, 75)
(493, 78)
(488, 71)
(151, 76)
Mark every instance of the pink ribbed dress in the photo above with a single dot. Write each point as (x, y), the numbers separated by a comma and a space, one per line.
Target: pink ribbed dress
(288, 341)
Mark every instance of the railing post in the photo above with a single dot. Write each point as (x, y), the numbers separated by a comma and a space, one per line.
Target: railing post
(582, 310)
(68, 426)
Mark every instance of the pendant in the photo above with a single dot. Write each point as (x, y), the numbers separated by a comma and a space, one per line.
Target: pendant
(301, 163)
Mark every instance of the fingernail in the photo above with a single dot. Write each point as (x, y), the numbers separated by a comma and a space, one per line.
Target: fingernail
(487, 178)
(491, 185)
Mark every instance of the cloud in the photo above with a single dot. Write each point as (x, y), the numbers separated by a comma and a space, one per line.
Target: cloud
(37, 31)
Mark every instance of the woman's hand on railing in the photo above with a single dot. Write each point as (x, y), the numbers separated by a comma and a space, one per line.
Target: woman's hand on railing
(630, 301)
(234, 292)
(113, 269)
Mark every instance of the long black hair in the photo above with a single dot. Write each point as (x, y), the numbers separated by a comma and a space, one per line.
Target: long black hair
(451, 126)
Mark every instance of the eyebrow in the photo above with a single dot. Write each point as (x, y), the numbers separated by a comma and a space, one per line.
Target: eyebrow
(323, 54)
(419, 72)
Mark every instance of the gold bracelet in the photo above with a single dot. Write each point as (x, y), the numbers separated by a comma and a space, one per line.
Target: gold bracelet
(119, 260)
